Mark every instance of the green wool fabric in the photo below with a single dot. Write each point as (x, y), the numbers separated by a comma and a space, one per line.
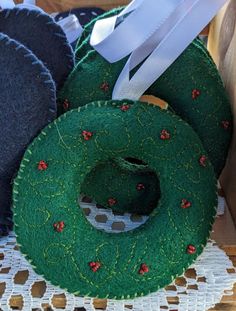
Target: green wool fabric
(42, 198)
(191, 85)
(135, 188)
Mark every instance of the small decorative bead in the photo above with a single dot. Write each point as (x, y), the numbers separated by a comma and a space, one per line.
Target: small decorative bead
(143, 269)
(225, 124)
(124, 107)
(104, 86)
(185, 203)
(140, 187)
(165, 135)
(42, 165)
(59, 226)
(112, 202)
(95, 266)
(87, 135)
(203, 160)
(66, 104)
(191, 249)
(195, 93)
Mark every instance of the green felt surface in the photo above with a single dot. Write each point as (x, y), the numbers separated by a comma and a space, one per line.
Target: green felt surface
(42, 198)
(119, 179)
(194, 69)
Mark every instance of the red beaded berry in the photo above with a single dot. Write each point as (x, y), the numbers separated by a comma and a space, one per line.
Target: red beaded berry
(59, 226)
(191, 249)
(112, 202)
(185, 203)
(66, 104)
(94, 265)
(165, 135)
(143, 269)
(225, 124)
(104, 86)
(124, 107)
(87, 135)
(140, 187)
(203, 160)
(195, 93)
(42, 165)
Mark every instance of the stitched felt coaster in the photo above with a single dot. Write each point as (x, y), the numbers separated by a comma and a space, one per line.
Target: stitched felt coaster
(125, 185)
(73, 254)
(191, 85)
(41, 34)
(27, 104)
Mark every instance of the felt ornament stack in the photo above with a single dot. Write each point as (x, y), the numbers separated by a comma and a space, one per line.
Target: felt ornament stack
(191, 86)
(35, 59)
(129, 155)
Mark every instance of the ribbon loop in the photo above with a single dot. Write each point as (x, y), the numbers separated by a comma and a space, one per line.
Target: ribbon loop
(154, 33)
(130, 32)
(72, 27)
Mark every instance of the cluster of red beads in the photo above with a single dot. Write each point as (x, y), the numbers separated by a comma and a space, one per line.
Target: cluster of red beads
(112, 201)
(140, 187)
(104, 86)
(66, 104)
(225, 124)
(191, 249)
(59, 226)
(143, 269)
(42, 165)
(165, 135)
(203, 160)
(95, 266)
(87, 135)
(195, 93)
(185, 203)
(124, 107)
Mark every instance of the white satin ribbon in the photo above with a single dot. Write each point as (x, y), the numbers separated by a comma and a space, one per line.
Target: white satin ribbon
(7, 4)
(71, 27)
(155, 32)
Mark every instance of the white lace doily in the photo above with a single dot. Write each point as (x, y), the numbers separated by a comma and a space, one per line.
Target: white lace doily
(199, 289)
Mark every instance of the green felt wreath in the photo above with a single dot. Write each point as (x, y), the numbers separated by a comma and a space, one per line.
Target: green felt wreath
(191, 86)
(73, 254)
(124, 186)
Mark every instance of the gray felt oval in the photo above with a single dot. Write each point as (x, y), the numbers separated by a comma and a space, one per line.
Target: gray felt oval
(41, 34)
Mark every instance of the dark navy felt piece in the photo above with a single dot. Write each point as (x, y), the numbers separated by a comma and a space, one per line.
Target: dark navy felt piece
(41, 34)
(84, 15)
(27, 104)
(5, 204)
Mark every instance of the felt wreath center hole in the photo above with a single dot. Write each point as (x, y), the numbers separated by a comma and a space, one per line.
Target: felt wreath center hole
(119, 194)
